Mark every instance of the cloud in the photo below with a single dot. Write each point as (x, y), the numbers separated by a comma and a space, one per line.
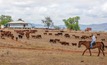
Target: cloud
(104, 7)
(36, 10)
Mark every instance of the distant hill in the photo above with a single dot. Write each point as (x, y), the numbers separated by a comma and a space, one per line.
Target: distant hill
(95, 27)
(37, 25)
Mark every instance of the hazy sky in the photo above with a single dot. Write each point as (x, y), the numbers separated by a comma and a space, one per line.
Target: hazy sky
(90, 11)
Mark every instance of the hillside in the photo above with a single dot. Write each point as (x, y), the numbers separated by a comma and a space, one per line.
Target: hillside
(95, 27)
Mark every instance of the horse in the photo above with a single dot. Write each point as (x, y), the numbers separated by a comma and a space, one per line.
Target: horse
(99, 45)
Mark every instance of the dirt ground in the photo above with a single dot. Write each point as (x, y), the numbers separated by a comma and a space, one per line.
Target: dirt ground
(42, 52)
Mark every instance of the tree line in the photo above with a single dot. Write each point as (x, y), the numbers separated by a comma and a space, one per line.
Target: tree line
(71, 23)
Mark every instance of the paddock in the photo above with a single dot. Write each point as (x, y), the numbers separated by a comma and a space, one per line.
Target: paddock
(42, 52)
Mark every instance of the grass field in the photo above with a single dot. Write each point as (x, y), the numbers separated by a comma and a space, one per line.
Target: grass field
(42, 52)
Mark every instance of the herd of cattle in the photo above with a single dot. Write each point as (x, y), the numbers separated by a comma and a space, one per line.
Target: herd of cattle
(29, 34)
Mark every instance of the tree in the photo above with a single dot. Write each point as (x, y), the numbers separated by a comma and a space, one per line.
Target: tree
(57, 27)
(76, 19)
(48, 22)
(72, 23)
(4, 19)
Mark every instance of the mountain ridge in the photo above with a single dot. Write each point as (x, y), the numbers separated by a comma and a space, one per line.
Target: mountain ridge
(95, 27)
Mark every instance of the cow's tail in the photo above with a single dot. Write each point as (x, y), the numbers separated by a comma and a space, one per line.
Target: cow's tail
(103, 46)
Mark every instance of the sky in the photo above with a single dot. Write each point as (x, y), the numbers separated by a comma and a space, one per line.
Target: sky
(33, 11)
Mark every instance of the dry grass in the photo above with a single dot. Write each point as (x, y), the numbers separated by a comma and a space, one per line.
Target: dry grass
(25, 57)
(42, 52)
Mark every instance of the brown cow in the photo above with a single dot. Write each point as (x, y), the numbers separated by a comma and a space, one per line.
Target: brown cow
(105, 46)
(33, 31)
(38, 36)
(57, 34)
(67, 35)
(45, 33)
(27, 35)
(74, 44)
(33, 36)
(64, 43)
(77, 37)
(12, 37)
(52, 40)
(88, 29)
(103, 39)
(57, 40)
(20, 36)
(50, 33)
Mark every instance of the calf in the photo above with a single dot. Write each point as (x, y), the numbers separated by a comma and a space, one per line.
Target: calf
(16, 38)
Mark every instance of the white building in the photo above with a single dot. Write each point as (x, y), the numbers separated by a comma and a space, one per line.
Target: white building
(18, 24)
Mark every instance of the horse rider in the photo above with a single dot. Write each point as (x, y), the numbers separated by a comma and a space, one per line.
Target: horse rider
(93, 41)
